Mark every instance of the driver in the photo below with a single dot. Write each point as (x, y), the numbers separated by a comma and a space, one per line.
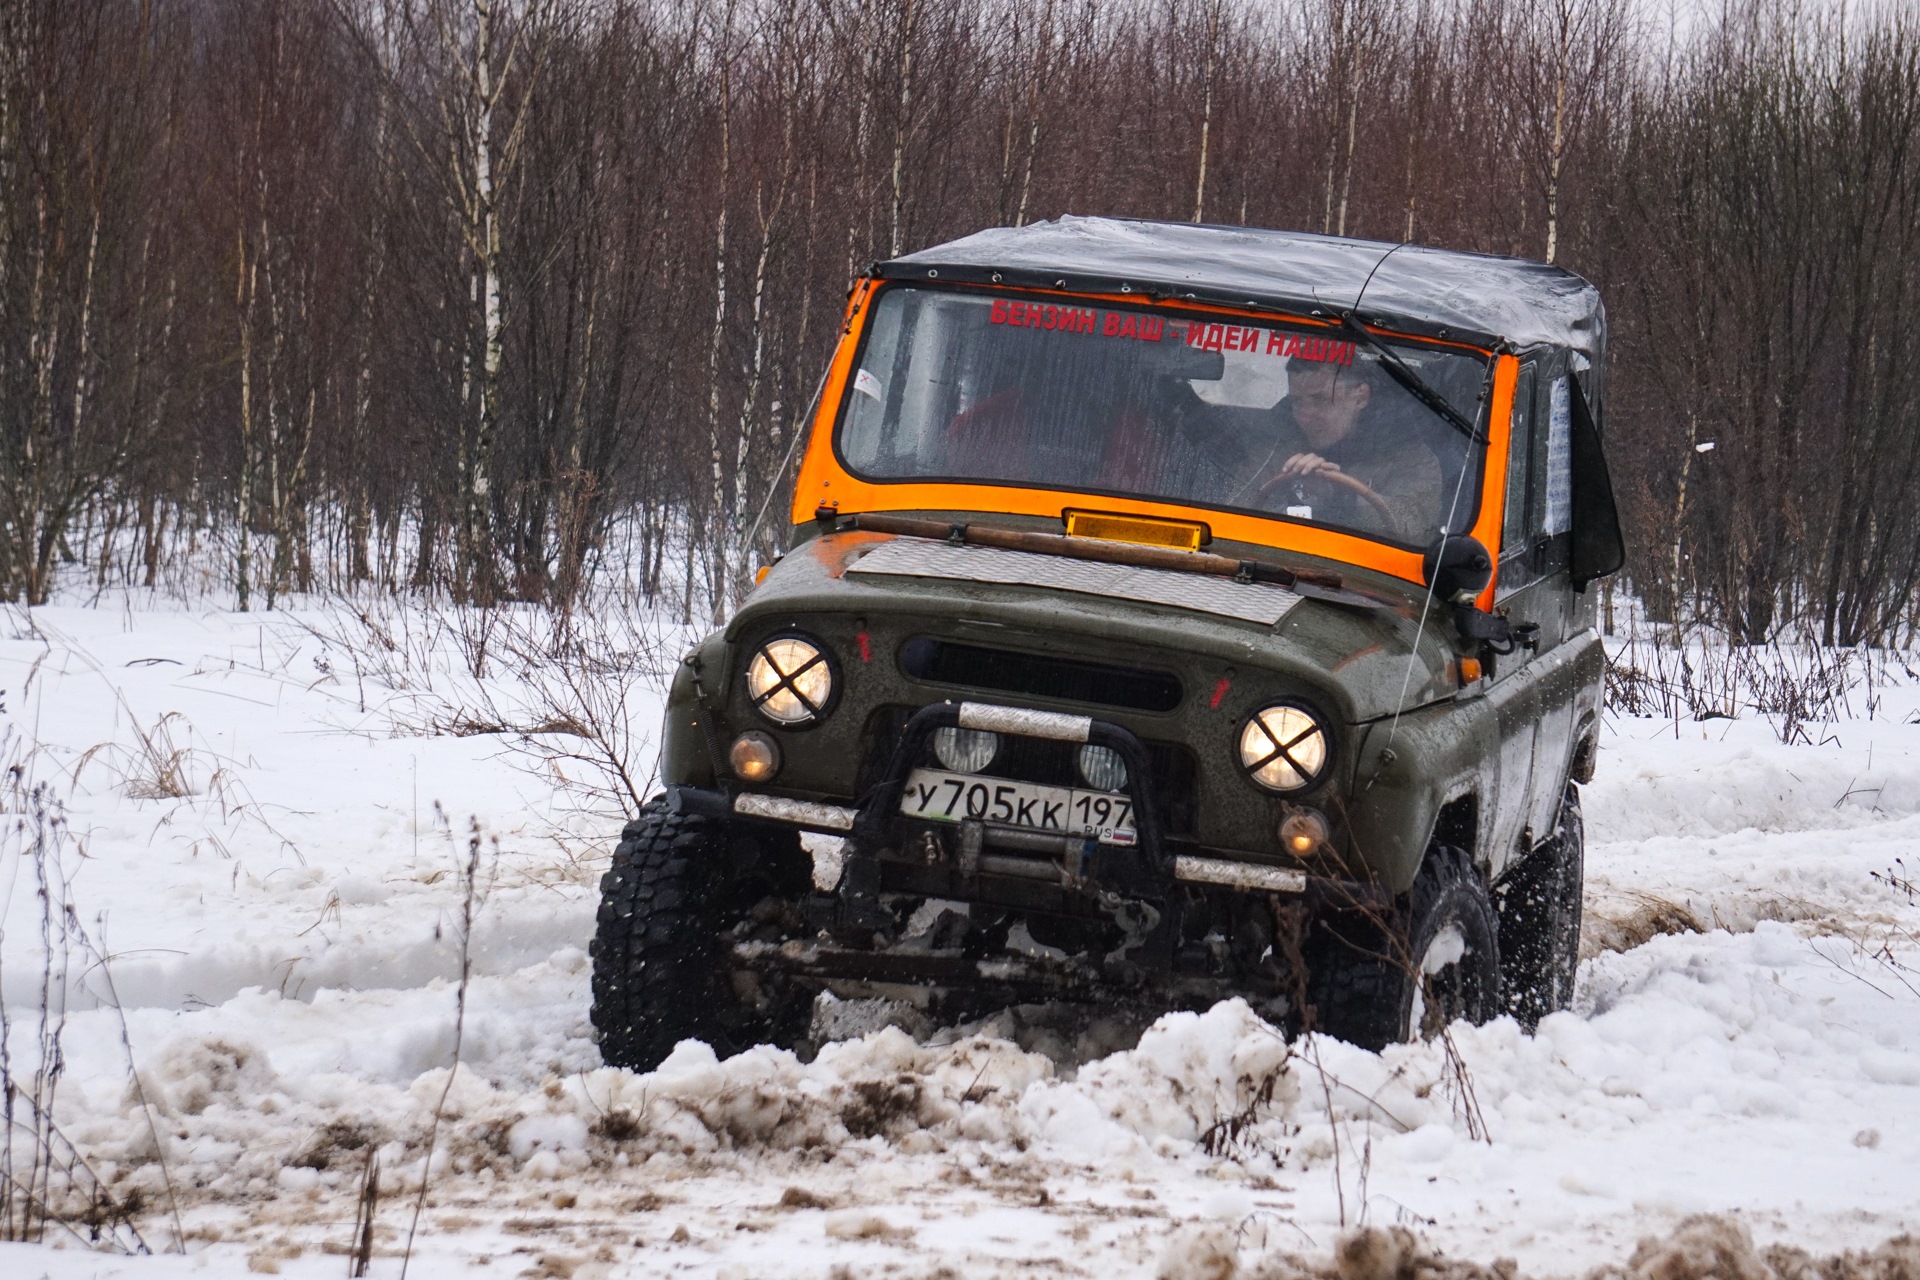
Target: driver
(1346, 460)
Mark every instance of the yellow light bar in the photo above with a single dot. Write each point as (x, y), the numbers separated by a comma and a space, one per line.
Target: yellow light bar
(1143, 531)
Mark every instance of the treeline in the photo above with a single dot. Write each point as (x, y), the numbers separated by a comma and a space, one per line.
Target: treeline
(498, 296)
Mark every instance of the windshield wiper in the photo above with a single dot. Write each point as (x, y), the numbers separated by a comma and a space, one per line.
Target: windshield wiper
(1416, 385)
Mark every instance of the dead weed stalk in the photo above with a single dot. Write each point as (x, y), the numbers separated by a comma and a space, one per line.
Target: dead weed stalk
(103, 962)
(569, 693)
(1234, 1135)
(45, 1181)
(1457, 1081)
(469, 880)
(366, 1210)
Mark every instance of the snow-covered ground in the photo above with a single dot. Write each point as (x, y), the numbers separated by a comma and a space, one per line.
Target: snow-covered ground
(283, 948)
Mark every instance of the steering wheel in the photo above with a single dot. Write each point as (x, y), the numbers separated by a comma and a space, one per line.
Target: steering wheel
(1352, 483)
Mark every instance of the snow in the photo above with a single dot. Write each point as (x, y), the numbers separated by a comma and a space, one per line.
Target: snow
(283, 947)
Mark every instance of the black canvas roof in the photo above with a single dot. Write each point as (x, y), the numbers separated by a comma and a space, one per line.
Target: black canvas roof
(1470, 297)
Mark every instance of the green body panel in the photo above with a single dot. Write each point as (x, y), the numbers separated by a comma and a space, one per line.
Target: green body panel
(685, 760)
(1391, 775)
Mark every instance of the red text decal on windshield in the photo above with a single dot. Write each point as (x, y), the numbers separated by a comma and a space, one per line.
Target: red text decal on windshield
(1231, 337)
(1149, 328)
(1044, 315)
(1035, 315)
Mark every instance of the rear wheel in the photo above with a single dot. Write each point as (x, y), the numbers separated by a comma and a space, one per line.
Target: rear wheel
(681, 891)
(1435, 959)
(1539, 907)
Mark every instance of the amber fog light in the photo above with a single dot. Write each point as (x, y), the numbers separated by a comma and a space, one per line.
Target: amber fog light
(754, 756)
(1303, 831)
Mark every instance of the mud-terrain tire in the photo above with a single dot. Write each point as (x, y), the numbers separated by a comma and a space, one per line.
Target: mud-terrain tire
(1436, 958)
(1539, 907)
(681, 889)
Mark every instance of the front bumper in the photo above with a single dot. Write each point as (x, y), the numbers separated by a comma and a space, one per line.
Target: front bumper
(1004, 865)
(1162, 906)
(975, 848)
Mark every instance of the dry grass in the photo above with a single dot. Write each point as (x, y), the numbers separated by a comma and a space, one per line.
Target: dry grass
(1801, 689)
(1622, 919)
(155, 767)
(563, 691)
(1703, 1247)
(1625, 920)
(866, 1226)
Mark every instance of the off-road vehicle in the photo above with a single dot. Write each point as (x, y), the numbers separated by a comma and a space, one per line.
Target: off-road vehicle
(1172, 612)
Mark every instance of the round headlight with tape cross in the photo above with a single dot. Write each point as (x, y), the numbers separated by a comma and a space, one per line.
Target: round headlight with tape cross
(790, 681)
(1283, 748)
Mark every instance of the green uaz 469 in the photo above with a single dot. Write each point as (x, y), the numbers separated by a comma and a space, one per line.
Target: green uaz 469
(1173, 612)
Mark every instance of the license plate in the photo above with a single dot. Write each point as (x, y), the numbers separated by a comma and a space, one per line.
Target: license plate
(949, 797)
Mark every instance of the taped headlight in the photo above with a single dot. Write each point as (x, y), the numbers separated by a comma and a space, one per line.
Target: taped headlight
(1283, 748)
(965, 750)
(1103, 768)
(790, 681)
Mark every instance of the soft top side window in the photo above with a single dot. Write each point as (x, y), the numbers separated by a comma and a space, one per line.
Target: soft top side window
(1539, 510)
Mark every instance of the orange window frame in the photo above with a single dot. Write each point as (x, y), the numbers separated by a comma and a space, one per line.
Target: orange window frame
(823, 481)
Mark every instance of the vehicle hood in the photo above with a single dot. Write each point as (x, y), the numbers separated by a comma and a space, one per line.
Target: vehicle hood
(1369, 662)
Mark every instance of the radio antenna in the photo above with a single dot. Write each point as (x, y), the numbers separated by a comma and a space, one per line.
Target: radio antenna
(802, 427)
(1352, 319)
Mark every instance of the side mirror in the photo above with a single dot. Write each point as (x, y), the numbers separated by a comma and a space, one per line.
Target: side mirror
(1457, 568)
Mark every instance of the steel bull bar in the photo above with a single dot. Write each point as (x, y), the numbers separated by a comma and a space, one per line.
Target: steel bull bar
(1139, 870)
(1144, 870)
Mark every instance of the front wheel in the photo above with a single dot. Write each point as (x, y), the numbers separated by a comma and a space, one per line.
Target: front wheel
(680, 892)
(1375, 981)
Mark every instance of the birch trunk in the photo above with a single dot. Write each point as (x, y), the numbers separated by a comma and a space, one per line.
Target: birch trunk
(1346, 177)
(479, 568)
(718, 504)
(275, 398)
(43, 341)
(735, 529)
(1558, 145)
(358, 501)
(862, 146)
(243, 294)
(902, 125)
(1206, 110)
(57, 508)
(1351, 64)
(1336, 12)
(1043, 63)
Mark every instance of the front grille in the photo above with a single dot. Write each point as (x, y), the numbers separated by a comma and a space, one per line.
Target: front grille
(1038, 675)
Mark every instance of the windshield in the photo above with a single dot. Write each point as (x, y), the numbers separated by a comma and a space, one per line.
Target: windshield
(1284, 420)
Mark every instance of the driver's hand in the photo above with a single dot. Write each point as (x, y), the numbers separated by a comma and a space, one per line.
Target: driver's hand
(1301, 465)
